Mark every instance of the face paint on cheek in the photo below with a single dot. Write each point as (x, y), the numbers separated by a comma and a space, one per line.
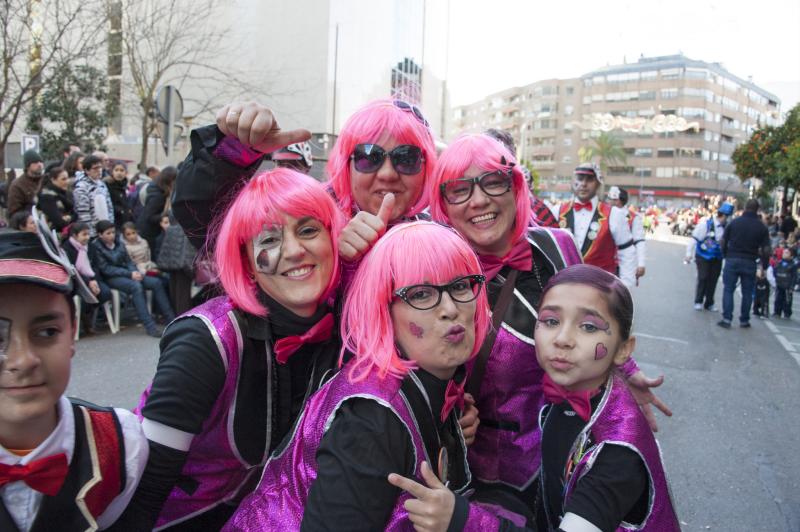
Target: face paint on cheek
(267, 249)
(600, 351)
(5, 336)
(416, 330)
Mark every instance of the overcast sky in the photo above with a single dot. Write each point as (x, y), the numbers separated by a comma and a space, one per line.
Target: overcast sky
(503, 43)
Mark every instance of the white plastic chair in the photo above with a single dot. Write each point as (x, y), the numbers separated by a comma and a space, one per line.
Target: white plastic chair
(113, 324)
(115, 302)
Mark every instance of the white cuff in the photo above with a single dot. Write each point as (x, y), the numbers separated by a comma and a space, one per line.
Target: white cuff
(166, 435)
(576, 523)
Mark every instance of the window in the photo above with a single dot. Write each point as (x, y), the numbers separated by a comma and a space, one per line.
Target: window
(666, 153)
(688, 172)
(663, 171)
(648, 74)
(567, 141)
(647, 95)
(693, 112)
(620, 170)
(668, 94)
(568, 110)
(696, 73)
(569, 91)
(671, 73)
(643, 152)
(643, 172)
(566, 159)
(692, 153)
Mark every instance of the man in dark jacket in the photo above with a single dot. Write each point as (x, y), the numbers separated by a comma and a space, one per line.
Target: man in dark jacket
(744, 242)
(23, 191)
(111, 260)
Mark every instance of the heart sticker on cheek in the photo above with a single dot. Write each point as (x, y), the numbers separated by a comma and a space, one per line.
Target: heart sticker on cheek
(600, 351)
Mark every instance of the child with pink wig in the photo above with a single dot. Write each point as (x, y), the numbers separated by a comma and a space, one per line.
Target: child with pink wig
(478, 189)
(415, 314)
(234, 373)
(601, 465)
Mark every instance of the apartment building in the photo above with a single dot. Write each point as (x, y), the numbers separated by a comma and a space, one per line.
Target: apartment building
(679, 120)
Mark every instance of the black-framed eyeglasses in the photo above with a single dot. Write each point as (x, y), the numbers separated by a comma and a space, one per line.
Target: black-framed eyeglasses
(426, 296)
(406, 159)
(405, 106)
(493, 183)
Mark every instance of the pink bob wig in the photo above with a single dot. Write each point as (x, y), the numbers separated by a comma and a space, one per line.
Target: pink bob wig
(486, 154)
(410, 253)
(266, 200)
(366, 126)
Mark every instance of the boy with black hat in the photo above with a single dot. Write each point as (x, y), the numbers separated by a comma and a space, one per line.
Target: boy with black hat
(23, 191)
(64, 464)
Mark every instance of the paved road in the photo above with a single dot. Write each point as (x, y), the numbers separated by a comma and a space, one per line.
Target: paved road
(731, 450)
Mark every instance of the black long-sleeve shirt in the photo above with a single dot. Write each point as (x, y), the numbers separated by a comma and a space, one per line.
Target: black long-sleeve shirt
(366, 442)
(190, 377)
(206, 183)
(614, 489)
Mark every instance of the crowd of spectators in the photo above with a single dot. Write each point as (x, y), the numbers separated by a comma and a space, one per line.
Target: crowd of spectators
(112, 226)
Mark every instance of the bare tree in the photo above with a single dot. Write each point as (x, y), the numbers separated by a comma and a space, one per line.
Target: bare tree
(179, 42)
(38, 40)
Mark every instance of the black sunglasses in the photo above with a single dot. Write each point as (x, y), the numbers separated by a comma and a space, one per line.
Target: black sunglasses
(405, 106)
(426, 296)
(493, 183)
(406, 159)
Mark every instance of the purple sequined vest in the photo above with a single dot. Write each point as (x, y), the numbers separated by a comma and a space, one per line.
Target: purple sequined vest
(214, 460)
(507, 449)
(619, 421)
(279, 500)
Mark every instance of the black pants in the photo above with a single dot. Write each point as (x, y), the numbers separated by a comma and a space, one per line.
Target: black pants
(761, 302)
(783, 301)
(707, 276)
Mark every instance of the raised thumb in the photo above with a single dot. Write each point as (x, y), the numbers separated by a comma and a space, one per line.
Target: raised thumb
(387, 206)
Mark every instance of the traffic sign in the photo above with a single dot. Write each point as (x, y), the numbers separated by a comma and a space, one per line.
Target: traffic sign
(29, 142)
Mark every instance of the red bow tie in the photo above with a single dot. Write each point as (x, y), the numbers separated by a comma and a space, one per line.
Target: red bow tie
(45, 475)
(453, 395)
(519, 258)
(579, 401)
(579, 206)
(321, 331)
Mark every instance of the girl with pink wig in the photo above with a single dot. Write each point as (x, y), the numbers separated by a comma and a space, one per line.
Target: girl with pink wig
(415, 314)
(478, 189)
(234, 372)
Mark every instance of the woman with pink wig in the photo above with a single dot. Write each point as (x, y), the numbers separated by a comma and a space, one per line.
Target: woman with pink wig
(415, 314)
(234, 373)
(376, 170)
(478, 189)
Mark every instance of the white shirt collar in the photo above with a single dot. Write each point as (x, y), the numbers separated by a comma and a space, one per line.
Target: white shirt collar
(61, 440)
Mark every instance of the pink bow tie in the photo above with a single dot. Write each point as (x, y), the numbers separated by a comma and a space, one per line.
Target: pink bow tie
(321, 331)
(579, 401)
(519, 258)
(453, 395)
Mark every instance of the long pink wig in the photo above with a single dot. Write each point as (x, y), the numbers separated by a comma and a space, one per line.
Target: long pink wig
(265, 200)
(411, 253)
(485, 153)
(366, 126)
